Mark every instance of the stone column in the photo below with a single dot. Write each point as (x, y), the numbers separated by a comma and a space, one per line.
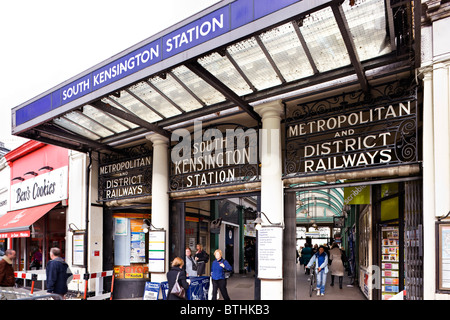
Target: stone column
(160, 196)
(429, 241)
(271, 183)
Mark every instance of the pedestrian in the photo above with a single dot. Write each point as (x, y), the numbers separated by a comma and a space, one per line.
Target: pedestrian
(176, 271)
(201, 257)
(249, 256)
(7, 279)
(321, 268)
(219, 281)
(58, 273)
(337, 265)
(306, 255)
(191, 266)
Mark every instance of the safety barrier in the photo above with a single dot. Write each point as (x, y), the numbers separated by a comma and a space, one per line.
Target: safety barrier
(30, 276)
(78, 276)
(98, 284)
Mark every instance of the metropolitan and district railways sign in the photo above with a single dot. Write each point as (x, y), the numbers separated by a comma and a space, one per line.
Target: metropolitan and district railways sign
(353, 131)
(125, 179)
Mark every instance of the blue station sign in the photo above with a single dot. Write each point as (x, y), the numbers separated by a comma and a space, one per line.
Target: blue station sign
(210, 26)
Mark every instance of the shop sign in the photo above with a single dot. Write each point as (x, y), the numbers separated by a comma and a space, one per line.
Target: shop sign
(352, 131)
(222, 155)
(17, 234)
(44, 188)
(125, 178)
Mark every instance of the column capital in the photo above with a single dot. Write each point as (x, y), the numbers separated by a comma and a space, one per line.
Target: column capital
(273, 109)
(157, 139)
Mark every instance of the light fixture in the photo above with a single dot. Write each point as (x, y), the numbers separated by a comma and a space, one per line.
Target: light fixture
(70, 229)
(31, 173)
(258, 221)
(18, 178)
(146, 225)
(46, 168)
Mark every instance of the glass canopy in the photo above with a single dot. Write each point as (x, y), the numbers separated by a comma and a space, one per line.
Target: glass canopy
(286, 54)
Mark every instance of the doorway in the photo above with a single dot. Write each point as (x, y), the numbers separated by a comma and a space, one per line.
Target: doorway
(224, 223)
(373, 222)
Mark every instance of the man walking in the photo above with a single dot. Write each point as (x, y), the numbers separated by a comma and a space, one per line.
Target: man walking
(57, 273)
(7, 279)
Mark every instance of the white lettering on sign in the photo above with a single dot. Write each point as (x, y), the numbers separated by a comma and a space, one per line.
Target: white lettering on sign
(76, 89)
(210, 151)
(194, 33)
(141, 58)
(44, 188)
(343, 148)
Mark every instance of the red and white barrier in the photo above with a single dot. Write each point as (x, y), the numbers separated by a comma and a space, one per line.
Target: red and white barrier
(79, 276)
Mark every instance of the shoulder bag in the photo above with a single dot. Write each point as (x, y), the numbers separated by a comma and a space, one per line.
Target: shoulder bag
(178, 290)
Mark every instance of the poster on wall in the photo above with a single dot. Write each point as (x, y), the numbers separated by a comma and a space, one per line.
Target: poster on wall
(137, 242)
(444, 256)
(156, 251)
(270, 253)
(78, 249)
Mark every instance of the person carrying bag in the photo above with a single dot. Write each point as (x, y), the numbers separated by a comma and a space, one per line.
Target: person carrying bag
(178, 283)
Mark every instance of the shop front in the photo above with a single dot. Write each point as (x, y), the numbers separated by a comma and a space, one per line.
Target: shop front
(36, 221)
(355, 157)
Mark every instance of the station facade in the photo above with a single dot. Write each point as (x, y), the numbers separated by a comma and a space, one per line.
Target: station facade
(306, 114)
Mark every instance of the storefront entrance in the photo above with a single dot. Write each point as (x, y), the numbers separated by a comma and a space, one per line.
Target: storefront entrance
(377, 227)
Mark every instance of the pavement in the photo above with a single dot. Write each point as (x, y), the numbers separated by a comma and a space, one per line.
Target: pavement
(242, 287)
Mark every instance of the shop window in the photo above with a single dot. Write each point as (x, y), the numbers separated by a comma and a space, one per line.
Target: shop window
(130, 247)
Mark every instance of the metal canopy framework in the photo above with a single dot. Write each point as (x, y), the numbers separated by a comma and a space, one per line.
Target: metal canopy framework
(331, 40)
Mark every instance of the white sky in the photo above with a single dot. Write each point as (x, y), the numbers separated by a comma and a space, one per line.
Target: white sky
(45, 42)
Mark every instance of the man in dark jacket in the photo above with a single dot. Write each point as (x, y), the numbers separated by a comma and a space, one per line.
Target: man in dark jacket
(7, 279)
(58, 273)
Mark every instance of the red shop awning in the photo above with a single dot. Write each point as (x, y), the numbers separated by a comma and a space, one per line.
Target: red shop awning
(16, 224)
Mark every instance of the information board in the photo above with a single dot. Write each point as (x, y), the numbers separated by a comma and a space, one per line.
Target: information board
(270, 253)
(156, 251)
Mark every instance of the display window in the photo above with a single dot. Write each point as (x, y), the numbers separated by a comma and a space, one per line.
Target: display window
(130, 246)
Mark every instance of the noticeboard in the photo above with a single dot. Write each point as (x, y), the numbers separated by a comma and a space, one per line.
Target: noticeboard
(78, 239)
(270, 253)
(443, 263)
(156, 251)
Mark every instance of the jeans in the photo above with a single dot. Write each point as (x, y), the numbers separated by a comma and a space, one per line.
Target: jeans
(321, 281)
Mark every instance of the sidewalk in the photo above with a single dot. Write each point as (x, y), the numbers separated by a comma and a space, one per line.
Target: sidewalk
(347, 292)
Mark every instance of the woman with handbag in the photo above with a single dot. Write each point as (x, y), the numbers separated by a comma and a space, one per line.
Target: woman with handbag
(219, 281)
(176, 278)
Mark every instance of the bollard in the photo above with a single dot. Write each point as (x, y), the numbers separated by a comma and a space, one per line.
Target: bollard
(33, 279)
(112, 286)
(86, 280)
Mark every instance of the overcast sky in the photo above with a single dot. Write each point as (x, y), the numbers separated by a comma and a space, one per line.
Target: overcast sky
(45, 42)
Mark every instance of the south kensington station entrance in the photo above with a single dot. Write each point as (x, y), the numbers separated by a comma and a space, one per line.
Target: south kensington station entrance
(256, 128)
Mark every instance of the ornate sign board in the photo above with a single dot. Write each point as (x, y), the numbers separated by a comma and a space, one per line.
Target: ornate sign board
(352, 131)
(121, 178)
(225, 154)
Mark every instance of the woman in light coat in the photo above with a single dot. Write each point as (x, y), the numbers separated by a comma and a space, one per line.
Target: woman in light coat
(337, 266)
(191, 265)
